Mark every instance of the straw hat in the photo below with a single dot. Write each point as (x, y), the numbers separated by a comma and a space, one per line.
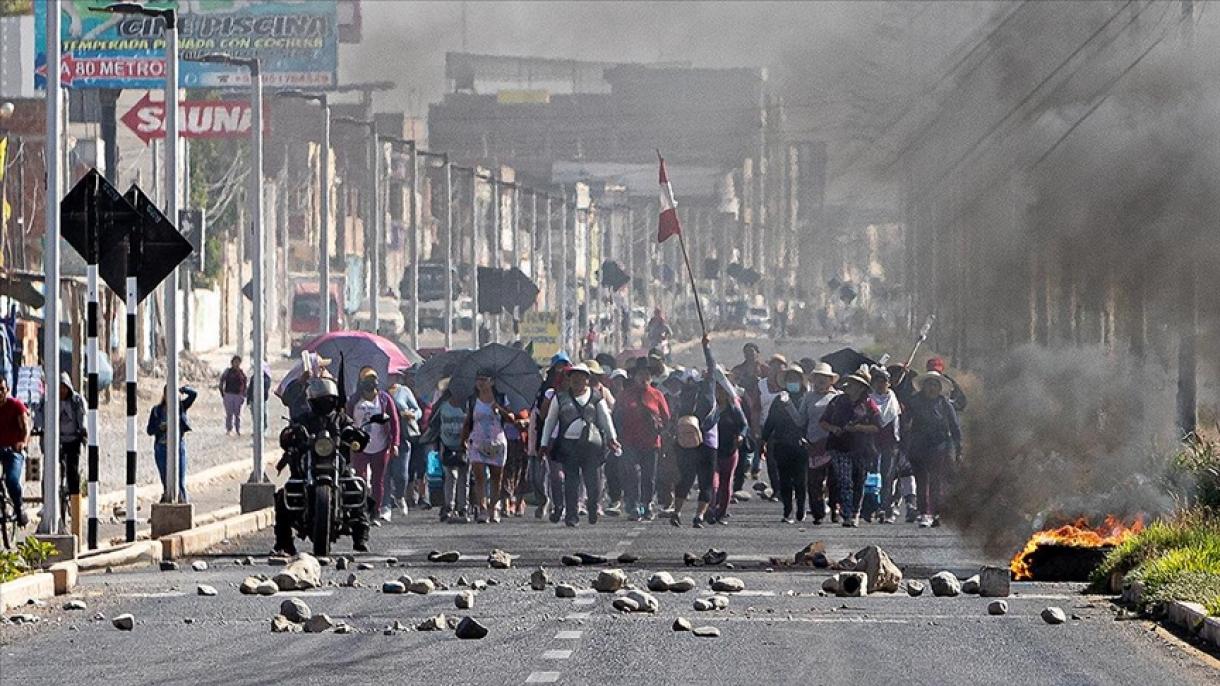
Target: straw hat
(823, 369)
(937, 377)
(593, 367)
(582, 368)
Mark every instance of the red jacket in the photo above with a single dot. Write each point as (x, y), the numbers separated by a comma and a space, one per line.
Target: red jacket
(639, 417)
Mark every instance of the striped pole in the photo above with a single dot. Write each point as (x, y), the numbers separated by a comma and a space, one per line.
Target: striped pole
(133, 303)
(91, 356)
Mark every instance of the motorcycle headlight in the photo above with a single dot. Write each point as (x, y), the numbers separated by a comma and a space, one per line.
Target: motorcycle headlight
(324, 446)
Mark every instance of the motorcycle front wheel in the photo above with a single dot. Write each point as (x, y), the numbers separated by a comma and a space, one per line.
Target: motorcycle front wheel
(322, 521)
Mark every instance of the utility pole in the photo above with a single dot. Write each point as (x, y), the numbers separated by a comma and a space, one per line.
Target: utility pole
(495, 244)
(449, 294)
(549, 294)
(564, 303)
(324, 231)
(475, 316)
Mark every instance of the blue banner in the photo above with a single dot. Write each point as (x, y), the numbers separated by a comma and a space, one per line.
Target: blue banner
(297, 41)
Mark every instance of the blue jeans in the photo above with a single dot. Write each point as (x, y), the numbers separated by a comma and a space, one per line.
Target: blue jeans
(159, 458)
(396, 475)
(13, 463)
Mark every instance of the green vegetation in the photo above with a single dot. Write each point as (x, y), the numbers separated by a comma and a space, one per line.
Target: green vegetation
(1174, 559)
(28, 555)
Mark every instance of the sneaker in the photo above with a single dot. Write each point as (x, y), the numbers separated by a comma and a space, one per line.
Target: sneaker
(817, 521)
(786, 520)
(855, 521)
(444, 517)
(386, 514)
(924, 521)
(402, 504)
(594, 515)
(495, 517)
(539, 511)
(889, 519)
(849, 523)
(675, 519)
(648, 515)
(614, 509)
(697, 522)
(376, 522)
(912, 516)
(361, 547)
(556, 515)
(571, 523)
(482, 518)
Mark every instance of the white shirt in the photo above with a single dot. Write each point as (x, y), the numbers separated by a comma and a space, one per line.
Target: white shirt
(577, 427)
(765, 396)
(379, 434)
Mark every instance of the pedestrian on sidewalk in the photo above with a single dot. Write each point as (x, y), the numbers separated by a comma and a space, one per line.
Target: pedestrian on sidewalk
(784, 435)
(823, 490)
(486, 445)
(732, 431)
(577, 431)
(73, 431)
(15, 426)
(853, 421)
(933, 440)
(399, 478)
(372, 459)
(698, 440)
(233, 383)
(158, 429)
(250, 388)
(640, 415)
(445, 428)
(887, 442)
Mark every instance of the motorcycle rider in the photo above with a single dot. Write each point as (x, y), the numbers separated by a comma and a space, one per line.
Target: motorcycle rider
(325, 414)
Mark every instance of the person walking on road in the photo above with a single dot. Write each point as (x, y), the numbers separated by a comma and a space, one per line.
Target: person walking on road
(445, 429)
(487, 446)
(887, 441)
(15, 426)
(371, 460)
(640, 415)
(697, 441)
(823, 491)
(933, 439)
(157, 428)
(768, 389)
(400, 479)
(732, 432)
(784, 435)
(73, 431)
(233, 392)
(577, 431)
(852, 420)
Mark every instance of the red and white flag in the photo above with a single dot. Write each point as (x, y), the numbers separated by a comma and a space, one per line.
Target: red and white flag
(669, 208)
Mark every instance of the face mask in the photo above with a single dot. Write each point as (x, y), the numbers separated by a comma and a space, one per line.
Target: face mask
(793, 386)
(368, 385)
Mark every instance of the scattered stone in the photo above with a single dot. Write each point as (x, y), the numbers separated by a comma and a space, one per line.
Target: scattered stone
(997, 607)
(452, 623)
(683, 585)
(295, 610)
(391, 562)
(363, 566)
(249, 585)
(493, 582)
(804, 556)
(570, 561)
(351, 581)
(479, 584)
(267, 587)
(470, 628)
(169, 566)
(565, 591)
(406, 580)
(205, 590)
(345, 629)
(883, 575)
(971, 585)
(995, 582)
(692, 560)
(628, 558)
(728, 584)
(590, 559)
(75, 605)
(188, 620)
(831, 584)
(768, 494)
(847, 564)
(247, 561)
(302, 573)
(1053, 615)
(682, 624)
(945, 584)
(461, 581)
(199, 566)
(609, 581)
(719, 602)
(98, 617)
(422, 586)
(914, 588)
(660, 582)
(538, 579)
(625, 604)
(703, 605)
(325, 561)
(448, 556)
(714, 557)
(126, 622)
(645, 602)
(281, 625)
(464, 600)
(853, 584)
(341, 564)
(729, 565)
(318, 624)
(706, 632)
(390, 587)
(498, 559)
(24, 618)
(434, 623)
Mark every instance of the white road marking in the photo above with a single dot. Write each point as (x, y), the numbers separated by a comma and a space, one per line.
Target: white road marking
(623, 543)
(743, 594)
(306, 594)
(578, 615)
(542, 678)
(569, 635)
(584, 601)
(159, 594)
(556, 655)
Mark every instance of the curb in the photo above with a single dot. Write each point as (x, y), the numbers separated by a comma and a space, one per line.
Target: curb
(140, 552)
(20, 591)
(197, 540)
(1192, 618)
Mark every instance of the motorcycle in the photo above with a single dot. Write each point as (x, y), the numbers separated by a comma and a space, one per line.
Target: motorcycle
(327, 496)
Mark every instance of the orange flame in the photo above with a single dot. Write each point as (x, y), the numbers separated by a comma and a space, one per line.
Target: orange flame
(1078, 534)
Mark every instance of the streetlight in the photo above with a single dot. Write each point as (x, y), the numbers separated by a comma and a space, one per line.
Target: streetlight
(413, 296)
(376, 234)
(444, 160)
(256, 494)
(169, 17)
(324, 247)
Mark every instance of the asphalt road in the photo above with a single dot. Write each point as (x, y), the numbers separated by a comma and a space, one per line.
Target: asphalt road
(778, 631)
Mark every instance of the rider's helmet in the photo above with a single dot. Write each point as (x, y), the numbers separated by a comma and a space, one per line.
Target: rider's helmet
(322, 395)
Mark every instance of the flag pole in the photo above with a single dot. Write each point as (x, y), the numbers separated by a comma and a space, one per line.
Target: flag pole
(690, 272)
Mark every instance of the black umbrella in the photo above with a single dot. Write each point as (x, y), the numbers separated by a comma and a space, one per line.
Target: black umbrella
(515, 373)
(846, 361)
(437, 367)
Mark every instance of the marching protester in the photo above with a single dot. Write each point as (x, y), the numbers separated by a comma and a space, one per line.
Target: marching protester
(157, 428)
(548, 474)
(888, 437)
(747, 376)
(486, 446)
(933, 439)
(640, 415)
(852, 420)
(732, 431)
(697, 435)
(368, 405)
(768, 389)
(784, 435)
(823, 491)
(445, 429)
(577, 431)
(233, 392)
(516, 467)
(404, 473)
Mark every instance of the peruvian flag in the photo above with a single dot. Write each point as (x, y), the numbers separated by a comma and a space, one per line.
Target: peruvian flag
(669, 208)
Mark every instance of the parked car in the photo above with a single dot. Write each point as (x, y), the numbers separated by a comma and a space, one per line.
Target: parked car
(758, 319)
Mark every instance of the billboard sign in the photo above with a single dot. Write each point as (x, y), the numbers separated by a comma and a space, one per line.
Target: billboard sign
(541, 329)
(297, 41)
(197, 118)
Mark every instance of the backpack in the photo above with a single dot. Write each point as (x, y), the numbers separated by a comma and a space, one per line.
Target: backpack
(591, 441)
(688, 432)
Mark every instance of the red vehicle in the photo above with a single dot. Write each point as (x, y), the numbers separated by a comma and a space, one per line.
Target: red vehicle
(306, 320)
